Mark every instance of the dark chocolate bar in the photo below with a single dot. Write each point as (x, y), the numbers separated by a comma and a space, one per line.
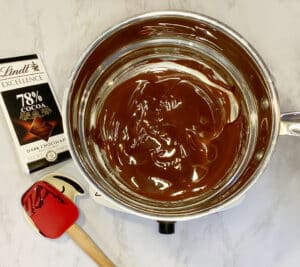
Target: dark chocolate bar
(41, 128)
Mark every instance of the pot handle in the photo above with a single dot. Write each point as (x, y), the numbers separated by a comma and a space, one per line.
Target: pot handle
(166, 228)
(290, 123)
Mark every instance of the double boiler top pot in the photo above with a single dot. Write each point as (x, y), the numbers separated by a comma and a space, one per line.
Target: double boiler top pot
(175, 45)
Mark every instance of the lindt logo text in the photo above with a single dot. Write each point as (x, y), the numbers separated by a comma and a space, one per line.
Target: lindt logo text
(9, 70)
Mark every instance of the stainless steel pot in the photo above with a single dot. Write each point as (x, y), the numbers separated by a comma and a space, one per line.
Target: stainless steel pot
(174, 34)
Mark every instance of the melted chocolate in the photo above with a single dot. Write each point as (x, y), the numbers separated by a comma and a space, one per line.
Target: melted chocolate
(171, 132)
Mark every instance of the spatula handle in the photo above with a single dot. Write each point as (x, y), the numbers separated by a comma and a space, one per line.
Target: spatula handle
(83, 240)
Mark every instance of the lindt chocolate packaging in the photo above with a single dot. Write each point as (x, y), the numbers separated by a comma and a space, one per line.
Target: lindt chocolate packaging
(32, 113)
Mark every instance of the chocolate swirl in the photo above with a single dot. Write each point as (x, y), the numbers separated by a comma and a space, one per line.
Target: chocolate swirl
(165, 129)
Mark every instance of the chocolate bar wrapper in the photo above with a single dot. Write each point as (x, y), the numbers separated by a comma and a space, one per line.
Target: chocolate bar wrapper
(32, 113)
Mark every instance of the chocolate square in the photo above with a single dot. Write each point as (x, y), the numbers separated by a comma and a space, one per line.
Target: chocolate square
(41, 128)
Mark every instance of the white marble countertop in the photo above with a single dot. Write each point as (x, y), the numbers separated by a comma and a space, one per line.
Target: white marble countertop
(262, 231)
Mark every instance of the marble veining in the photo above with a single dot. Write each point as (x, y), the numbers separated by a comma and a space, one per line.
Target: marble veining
(262, 231)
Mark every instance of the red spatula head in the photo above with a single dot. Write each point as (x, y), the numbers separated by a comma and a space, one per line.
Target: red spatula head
(49, 209)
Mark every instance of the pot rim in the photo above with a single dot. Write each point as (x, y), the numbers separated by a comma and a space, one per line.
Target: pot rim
(242, 42)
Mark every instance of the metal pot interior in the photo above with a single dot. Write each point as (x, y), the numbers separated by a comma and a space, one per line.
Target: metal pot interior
(171, 35)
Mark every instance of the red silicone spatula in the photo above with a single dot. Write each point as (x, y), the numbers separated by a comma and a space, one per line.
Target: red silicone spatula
(53, 213)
